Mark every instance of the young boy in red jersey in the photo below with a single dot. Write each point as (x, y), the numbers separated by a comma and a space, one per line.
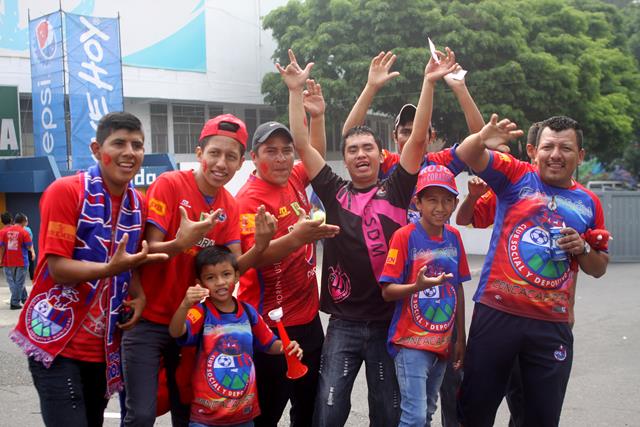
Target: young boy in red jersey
(15, 247)
(89, 240)
(424, 270)
(188, 211)
(225, 332)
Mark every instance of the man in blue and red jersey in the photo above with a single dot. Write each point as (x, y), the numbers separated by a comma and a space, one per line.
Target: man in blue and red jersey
(285, 275)
(524, 297)
(15, 247)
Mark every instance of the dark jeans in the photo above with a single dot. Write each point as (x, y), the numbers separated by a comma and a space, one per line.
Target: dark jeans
(545, 353)
(275, 389)
(346, 346)
(142, 348)
(515, 396)
(72, 392)
(449, 391)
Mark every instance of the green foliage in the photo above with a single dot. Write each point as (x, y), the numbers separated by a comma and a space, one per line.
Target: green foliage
(526, 60)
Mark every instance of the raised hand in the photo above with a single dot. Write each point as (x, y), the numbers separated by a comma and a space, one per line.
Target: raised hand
(309, 231)
(293, 75)
(194, 294)
(313, 100)
(190, 232)
(454, 83)
(423, 282)
(123, 260)
(434, 71)
(266, 227)
(495, 135)
(477, 187)
(379, 73)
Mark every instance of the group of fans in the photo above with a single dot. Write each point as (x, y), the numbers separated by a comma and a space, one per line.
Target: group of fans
(134, 294)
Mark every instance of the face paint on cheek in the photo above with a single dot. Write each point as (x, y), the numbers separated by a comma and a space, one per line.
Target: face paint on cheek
(106, 159)
(263, 168)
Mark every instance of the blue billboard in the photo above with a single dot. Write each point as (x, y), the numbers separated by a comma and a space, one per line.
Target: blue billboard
(95, 79)
(47, 88)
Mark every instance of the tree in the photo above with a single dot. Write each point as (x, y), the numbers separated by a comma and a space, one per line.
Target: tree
(526, 60)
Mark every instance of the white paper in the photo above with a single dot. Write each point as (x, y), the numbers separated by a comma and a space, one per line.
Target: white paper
(458, 75)
(432, 48)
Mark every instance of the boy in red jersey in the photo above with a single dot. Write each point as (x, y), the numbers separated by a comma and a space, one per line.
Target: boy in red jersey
(15, 247)
(423, 273)
(286, 275)
(225, 332)
(188, 211)
(89, 240)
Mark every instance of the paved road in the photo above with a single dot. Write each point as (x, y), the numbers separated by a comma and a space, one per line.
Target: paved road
(604, 389)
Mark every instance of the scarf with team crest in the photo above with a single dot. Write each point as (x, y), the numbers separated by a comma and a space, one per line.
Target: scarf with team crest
(54, 311)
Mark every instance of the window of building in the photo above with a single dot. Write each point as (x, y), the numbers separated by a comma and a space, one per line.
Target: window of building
(26, 123)
(215, 110)
(159, 128)
(188, 120)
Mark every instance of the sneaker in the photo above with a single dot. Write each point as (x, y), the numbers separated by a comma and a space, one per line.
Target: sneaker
(15, 307)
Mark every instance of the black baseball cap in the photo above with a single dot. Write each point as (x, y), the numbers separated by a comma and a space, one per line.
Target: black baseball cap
(407, 114)
(265, 130)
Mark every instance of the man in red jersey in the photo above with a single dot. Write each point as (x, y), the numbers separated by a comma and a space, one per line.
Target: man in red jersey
(286, 274)
(188, 211)
(91, 228)
(15, 247)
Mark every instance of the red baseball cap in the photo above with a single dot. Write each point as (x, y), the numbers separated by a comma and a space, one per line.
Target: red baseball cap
(226, 125)
(436, 176)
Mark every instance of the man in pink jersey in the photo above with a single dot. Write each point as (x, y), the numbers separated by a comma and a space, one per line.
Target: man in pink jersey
(286, 275)
(188, 211)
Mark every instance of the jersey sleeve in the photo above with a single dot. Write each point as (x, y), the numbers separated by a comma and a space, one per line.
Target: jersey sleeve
(263, 337)
(394, 270)
(503, 170)
(598, 222)
(389, 161)
(326, 185)
(247, 222)
(447, 158)
(59, 212)
(161, 203)
(194, 323)
(400, 186)
(484, 211)
(26, 239)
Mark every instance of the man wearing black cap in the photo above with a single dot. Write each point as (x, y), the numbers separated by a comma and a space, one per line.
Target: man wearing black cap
(285, 276)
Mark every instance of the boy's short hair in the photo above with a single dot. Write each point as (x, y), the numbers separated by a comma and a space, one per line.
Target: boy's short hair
(20, 218)
(225, 125)
(214, 255)
(532, 134)
(360, 130)
(7, 218)
(436, 176)
(558, 124)
(112, 122)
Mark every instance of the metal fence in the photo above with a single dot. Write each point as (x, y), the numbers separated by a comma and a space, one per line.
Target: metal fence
(622, 218)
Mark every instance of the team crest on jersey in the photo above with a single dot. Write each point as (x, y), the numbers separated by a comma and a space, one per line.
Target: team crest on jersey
(433, 308)
(49, 317)
(339, 284)
(530, 252)
(228, 369)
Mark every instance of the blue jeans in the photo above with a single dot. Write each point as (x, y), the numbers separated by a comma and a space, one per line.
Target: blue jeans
(71, 392)
(15, 278)
(419, 374)
(346, 345)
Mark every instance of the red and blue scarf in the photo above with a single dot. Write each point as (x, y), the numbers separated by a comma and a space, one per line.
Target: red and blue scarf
(54, 311)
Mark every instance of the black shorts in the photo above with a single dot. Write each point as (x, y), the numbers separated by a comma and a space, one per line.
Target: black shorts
(496, 339)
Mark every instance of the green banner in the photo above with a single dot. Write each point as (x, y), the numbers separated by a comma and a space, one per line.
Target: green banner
(10, 121)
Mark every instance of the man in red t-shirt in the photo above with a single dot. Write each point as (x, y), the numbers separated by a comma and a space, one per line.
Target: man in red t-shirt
(188, 211)
(285, 276)
(89, 241)
(15, 245)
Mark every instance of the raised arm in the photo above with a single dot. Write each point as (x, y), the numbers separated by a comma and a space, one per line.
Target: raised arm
(413, 151)
(477, 187)
(314, 105)
(472, 115)
(311, 158)
(474, 150)
(378, 76)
